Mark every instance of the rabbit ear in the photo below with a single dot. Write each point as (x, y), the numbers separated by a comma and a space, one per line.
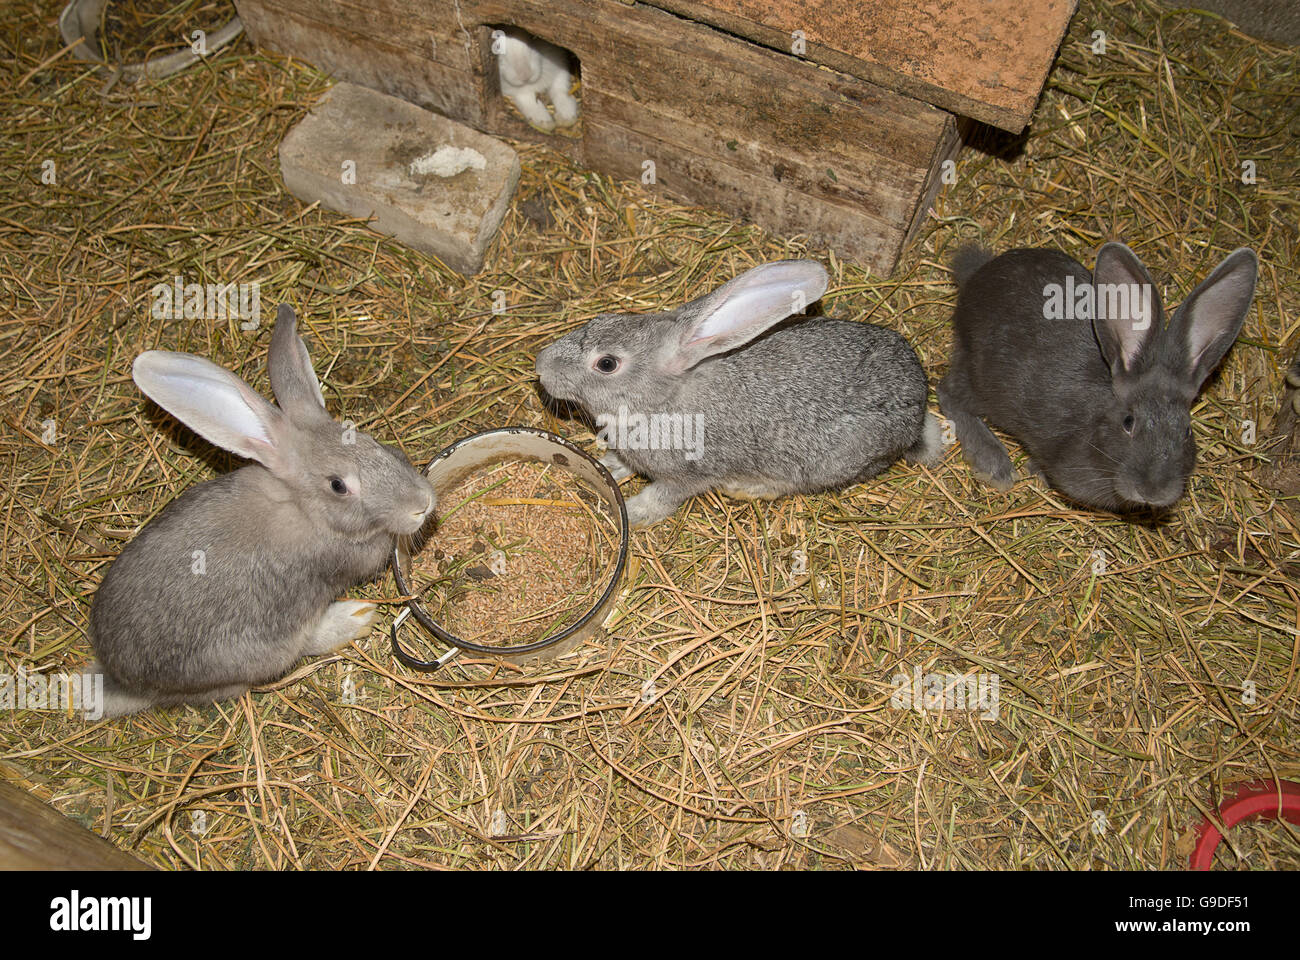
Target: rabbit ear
(293, 381)
(214, 403)
(1210, 319)
(740, 310)
(1126, 309)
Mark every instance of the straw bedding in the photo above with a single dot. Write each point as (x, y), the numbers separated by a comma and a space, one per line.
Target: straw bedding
(742, 709)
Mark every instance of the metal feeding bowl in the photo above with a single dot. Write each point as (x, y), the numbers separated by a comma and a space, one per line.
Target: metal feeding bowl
(447, 471)
(79, 24)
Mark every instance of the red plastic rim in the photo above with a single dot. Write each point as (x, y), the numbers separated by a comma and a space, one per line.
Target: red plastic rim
(1259, 798)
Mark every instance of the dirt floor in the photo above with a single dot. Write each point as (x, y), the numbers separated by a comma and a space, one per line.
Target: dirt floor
(742, 709)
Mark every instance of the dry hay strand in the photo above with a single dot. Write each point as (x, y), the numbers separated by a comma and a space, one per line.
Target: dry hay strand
(740, 711)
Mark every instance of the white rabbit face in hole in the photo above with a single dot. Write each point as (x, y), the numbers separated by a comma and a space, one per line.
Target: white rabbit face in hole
(533, 72)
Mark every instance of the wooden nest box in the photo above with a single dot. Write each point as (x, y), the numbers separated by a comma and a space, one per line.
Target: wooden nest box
(828, 118)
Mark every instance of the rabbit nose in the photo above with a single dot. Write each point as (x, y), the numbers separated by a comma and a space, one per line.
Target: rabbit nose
(1154, 496)
(426, 510)
(1164, 496)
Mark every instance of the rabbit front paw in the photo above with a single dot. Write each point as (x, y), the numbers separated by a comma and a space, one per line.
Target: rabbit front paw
(342, 622)
(1001, 480)
(616, 467)
(656, 502)
(984, 452)
(566, 108)
(534, 111)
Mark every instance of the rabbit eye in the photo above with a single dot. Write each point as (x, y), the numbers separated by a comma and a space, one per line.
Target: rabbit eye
(1129, 423)
(338, 486)
(607, 364)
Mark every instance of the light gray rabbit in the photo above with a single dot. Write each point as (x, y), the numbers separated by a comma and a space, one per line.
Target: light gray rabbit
(237, 578)
(714, 395)
(1083, 371)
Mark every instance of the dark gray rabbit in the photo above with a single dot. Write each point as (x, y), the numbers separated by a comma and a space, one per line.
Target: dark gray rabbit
(237, 578)
(714, 395)
(1082, 369)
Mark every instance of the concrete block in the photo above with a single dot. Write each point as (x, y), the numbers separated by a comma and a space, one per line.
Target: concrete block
(434, 184)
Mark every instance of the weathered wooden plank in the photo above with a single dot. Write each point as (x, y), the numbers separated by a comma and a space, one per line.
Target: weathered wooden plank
(356, 54)
(772, 205)
(985, 59)
(35, 836)
(741, 89)
(947, 149)
(423, 30)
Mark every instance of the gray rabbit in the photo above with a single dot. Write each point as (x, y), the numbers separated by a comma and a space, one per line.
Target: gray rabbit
(237, 578)
(714, 395)
(1083, 371)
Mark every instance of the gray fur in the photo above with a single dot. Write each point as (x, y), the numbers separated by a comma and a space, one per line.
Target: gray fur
(278, 544)
(966, 261)
(798, 407)
(1064, 387)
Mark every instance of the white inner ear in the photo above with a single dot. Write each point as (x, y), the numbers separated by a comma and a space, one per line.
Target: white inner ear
(1131, 332)
(1121, 268)
(1216, 309)
(205, 397)
(763, 296)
